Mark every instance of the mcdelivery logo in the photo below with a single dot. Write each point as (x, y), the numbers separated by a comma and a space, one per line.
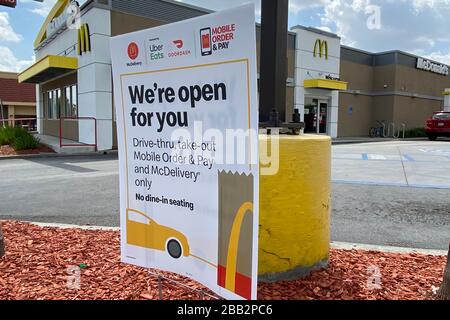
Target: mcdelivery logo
(213, 39)
(133, 53)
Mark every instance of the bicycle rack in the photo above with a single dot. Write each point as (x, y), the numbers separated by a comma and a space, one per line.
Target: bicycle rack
(403, 125)
(383, 132)
(396, 133)
(392, 124)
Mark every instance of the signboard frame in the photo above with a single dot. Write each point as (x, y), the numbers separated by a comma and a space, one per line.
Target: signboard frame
(207, 68)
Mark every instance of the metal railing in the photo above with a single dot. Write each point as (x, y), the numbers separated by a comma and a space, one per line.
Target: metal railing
(29, 124)
(61, 121)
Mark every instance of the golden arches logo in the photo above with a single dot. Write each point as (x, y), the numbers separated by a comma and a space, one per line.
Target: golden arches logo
(84, 39)
(321, 47)
(236, 233)
(233, 244)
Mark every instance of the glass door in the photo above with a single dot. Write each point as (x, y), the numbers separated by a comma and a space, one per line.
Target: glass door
(322, 118)
(311, 117)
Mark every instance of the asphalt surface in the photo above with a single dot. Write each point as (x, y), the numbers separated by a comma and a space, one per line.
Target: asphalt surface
(74, 190)
(386, 193)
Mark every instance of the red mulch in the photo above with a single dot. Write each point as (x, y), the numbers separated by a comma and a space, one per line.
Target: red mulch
(9, 151)
(36, 261)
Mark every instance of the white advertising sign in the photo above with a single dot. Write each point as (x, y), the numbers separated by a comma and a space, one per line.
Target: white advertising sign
(187, 121)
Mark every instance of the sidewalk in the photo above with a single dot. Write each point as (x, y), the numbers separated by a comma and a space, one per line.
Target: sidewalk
(353, 140)
(72, 146)
(37, 261)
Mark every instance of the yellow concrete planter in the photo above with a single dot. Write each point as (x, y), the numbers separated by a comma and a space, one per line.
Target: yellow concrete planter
(295, 205)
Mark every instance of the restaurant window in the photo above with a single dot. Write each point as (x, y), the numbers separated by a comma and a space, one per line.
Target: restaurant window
(53, 104)
(71, 101)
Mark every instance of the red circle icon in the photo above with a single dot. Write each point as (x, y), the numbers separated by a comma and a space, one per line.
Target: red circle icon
(133, 50)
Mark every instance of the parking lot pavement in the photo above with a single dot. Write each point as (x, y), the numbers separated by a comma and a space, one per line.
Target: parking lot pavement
(74, 190)
(421, 164)
(392, 193)
(388, 193)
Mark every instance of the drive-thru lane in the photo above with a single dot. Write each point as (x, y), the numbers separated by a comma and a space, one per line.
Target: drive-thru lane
(388, 193)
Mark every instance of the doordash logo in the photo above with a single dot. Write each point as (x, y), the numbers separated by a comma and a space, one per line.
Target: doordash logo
(133, 53)
(178, 43)
(178, 49)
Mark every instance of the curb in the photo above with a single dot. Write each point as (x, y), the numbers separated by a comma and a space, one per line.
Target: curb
(333, 244)
(72, 226)
(338, 142)
(59, 155)
(386, 249)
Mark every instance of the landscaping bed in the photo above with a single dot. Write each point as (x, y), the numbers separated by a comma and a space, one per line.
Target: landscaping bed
(18, 141)
(7, 150)
(37, 259)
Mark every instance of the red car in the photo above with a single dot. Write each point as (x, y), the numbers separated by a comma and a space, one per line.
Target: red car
(438, 125)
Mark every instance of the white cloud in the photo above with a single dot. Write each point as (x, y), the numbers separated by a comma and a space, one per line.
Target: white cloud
(44, 8)
(408, 25)
(295, 6)
(41, 8)
(436, 56)
(6, 31)
(324, 28)
(9, 62)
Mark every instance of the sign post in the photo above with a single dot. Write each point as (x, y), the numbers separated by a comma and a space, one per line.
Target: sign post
(187, 121)
(274, 26)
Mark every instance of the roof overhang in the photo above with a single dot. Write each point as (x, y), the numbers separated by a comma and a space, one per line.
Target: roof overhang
(325, 84)
(48, 68)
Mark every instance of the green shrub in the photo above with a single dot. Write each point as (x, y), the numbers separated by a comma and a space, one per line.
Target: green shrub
(18, 138)
(6, 135)
(24, 140)
(415, 133)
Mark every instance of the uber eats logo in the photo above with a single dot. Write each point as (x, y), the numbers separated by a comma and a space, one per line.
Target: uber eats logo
(84, 40)
(156, 49)
(321, 48)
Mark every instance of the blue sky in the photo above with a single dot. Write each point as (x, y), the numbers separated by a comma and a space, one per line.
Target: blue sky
(416, 26)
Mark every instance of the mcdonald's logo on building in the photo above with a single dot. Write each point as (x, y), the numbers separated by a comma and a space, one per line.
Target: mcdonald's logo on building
(321, 47)
(84, 39)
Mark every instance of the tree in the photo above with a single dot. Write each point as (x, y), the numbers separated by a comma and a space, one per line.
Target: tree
(444, 290)
(2, 244)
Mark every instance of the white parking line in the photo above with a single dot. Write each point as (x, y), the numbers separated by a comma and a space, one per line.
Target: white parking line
(376, 157)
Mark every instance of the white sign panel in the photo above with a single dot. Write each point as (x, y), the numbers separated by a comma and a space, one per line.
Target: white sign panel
(65, 20)
(187, 122)
(427, 65)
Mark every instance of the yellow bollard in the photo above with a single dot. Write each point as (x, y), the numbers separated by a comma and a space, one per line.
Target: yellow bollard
(295, 205)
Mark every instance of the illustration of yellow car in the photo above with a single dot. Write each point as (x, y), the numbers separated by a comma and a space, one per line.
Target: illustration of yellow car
(143, 231)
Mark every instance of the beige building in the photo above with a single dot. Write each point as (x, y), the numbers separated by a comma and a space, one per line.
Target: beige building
(339, 91)
(17, 101)
(390, 86)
